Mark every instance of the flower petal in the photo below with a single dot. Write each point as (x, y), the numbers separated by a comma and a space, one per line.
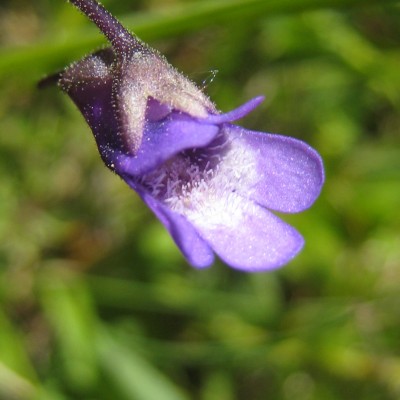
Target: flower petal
(255, 240)
(89, 84)
(193, 247)
(290, 173)
(237, 113)
(163, 139)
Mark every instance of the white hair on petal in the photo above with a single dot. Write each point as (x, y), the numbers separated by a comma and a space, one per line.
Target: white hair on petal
(207, 192)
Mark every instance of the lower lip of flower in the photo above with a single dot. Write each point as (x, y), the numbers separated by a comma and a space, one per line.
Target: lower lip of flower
(210, 186)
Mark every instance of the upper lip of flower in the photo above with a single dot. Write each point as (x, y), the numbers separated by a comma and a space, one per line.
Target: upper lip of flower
(235, 114)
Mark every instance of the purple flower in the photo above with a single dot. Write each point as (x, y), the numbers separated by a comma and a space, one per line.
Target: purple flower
(211, 183)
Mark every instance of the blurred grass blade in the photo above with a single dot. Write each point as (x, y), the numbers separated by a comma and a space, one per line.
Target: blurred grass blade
(13, 356)
(134, 376)
(14, 386)
(68, 308)
(156, 24)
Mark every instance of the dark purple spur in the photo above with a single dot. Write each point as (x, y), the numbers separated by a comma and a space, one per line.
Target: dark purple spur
(211, 183)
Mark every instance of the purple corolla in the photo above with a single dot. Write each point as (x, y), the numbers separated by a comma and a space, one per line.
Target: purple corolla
(211, 183)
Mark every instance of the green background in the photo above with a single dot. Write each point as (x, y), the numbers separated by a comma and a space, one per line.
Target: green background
(96, 302)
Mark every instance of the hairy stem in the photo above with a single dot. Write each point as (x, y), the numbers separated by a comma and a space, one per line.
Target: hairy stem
(123, 42)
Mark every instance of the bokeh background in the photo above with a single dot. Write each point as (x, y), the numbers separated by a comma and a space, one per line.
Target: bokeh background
(96, 302)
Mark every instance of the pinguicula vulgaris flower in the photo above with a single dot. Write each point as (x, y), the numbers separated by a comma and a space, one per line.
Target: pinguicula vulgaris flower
(210, 182)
